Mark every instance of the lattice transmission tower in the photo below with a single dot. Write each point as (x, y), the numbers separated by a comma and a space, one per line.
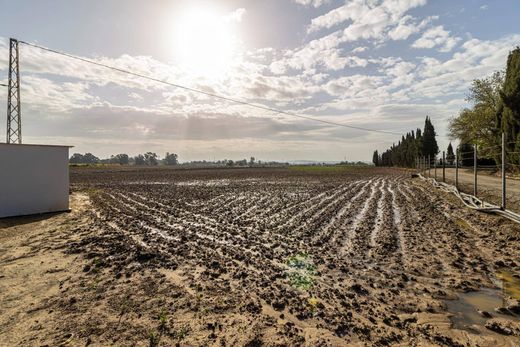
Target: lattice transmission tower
(14, 112)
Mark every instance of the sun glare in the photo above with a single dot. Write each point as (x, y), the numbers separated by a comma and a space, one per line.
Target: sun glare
(204, 43)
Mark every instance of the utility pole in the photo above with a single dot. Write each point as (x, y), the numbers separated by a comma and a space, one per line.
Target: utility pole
(503, 171)
(443, 166)
(14, 113)
(435, 166)
(457, 168)
(475, 170)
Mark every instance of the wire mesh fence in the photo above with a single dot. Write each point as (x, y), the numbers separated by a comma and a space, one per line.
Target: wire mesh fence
(484, 171)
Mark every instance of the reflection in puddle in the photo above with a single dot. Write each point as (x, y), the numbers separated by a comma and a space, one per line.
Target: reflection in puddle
(466, 309)
(509, 283)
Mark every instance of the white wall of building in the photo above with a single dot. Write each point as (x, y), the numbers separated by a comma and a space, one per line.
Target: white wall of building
(33, 179)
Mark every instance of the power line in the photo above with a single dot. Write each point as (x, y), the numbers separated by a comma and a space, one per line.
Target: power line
(213, 95)
(3, 85)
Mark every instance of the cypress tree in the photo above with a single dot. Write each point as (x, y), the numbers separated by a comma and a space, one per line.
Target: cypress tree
(429, 143)
(509, 111)
(418, 142)
(375, 158)
(450, 156)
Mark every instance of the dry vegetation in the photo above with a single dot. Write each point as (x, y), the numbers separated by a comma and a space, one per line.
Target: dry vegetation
(255, 257)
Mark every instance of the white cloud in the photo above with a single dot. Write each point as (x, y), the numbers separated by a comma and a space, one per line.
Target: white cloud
(322, 52)
(314, 3)
(359, 49)
(477, 59)
(437, 37)
(408, 26)
(368, 18)
(484, 7)
(353, 86)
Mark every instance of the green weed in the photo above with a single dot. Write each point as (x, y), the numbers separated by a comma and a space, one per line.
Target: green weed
(301, 271)
(153, 338)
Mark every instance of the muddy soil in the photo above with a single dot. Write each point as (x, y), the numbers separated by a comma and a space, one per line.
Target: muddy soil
(253, 257)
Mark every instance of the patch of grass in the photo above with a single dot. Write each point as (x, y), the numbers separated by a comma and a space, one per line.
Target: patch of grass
(182, 332)
(163, 320)
(461, 223)
(91, 191)
(301, 271)
(153, 338)
(300, 281)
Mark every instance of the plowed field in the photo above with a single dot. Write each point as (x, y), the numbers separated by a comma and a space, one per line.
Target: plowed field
(285, 257)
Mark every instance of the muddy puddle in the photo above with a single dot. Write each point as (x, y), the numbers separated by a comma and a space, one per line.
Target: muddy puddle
(474, 308)
(466, 308)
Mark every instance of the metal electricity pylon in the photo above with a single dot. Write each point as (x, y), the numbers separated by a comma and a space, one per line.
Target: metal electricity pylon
(14, 112)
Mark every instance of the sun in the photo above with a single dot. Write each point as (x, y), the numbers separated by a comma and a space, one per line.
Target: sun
(204, 42)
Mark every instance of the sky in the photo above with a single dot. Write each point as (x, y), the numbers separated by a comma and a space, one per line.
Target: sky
(378, 64)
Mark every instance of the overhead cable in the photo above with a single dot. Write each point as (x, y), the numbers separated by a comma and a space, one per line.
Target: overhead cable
(213, 95)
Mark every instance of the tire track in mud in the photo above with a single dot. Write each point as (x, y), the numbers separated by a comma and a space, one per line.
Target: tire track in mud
(338, 223)
(207, 246)
(417, 234)
(288, 214)
(357, 238)
(228, 248)
(321, 213)
(466, 257)
(378, 221)
(322, 202)
(116, 227)
(443, 237)
(385, 244)
(401, 248)
(185, 219)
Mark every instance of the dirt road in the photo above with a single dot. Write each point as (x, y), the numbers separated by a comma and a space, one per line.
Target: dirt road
(487, 185)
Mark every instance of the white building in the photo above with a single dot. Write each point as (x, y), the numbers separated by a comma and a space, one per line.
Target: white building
(33, 179)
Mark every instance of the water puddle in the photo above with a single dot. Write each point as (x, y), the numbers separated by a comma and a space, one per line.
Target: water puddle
(466, 308)
(474, 308)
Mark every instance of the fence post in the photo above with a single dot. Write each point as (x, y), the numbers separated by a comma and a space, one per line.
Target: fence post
(457, 169)
(435, 167)
(443, 166)
(503, 171)
(475, 170)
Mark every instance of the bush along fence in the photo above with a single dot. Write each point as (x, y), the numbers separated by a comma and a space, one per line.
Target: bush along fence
(434, 170)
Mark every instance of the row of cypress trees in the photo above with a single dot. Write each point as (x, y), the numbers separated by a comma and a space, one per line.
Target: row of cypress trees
(412, 145)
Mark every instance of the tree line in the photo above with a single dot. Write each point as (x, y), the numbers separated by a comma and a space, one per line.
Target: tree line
(412, 145)
(146, 159)
(152, 159)
(495, 109)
